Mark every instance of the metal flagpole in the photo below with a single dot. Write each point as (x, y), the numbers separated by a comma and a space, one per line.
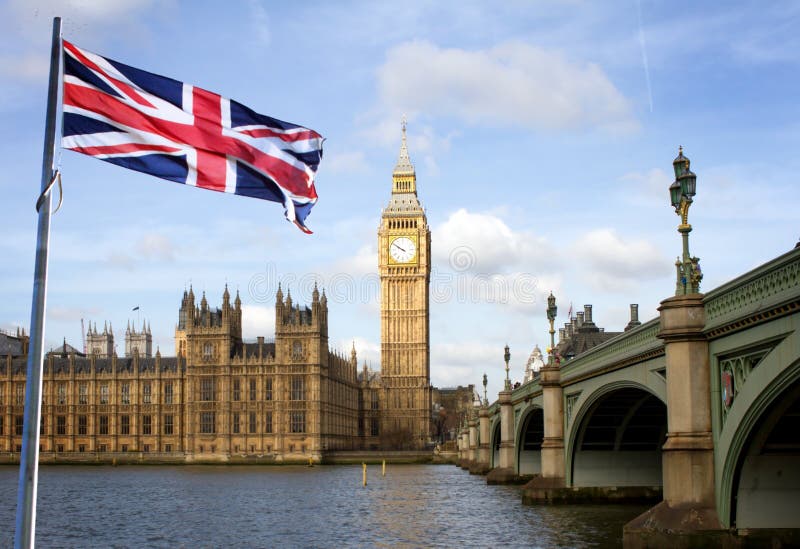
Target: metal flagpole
(29, 461)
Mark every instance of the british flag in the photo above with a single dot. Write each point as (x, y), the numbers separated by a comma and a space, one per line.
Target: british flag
(182, 133)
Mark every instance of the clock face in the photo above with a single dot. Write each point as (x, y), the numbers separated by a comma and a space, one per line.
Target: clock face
(403, 249)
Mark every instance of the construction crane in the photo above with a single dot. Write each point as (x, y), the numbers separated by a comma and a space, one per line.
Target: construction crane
(83, 336)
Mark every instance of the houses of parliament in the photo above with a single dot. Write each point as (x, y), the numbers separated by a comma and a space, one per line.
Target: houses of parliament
(221, 398)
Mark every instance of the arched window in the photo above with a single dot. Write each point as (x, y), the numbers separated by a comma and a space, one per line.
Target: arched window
(297, 350)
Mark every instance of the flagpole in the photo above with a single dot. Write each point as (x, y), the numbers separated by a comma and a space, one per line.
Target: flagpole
(29, 460)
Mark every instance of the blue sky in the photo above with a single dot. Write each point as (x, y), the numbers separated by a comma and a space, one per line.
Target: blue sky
(542, 134)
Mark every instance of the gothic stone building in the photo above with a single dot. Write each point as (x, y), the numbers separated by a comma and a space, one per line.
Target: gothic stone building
(221, 398)
(404, 265)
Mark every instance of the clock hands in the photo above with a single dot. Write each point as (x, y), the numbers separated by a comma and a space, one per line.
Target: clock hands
(398, 247)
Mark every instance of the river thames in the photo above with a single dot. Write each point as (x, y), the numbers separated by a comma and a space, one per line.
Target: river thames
(292, 506)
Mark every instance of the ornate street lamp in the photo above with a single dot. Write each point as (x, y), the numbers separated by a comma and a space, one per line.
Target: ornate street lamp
(507, 357)
(681, 193)
(485, 397)
(552, 310)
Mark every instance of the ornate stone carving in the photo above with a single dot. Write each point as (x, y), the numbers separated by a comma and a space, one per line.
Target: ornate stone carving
(734, 372)
(570, 401)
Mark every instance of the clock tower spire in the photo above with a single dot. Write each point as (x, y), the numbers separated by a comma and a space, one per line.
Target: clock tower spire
(404, 178)
(404, 243)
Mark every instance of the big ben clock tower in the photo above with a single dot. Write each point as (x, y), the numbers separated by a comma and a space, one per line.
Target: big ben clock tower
(404, 244)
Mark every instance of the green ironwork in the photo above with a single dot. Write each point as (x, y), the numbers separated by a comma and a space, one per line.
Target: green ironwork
(507, 358)
(634, 342)
(770, 284)
(552, 310)
(738, 368)
(681, 193)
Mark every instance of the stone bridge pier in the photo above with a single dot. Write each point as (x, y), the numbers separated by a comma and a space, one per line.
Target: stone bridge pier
(473, 442)
(504, 471)
(481, 465)
(695, 411)
(687, 515)
(550, 484)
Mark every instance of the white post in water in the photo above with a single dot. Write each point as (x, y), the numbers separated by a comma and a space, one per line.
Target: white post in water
(29, 461)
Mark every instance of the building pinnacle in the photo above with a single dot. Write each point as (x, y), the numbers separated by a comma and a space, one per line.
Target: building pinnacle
(404, 165)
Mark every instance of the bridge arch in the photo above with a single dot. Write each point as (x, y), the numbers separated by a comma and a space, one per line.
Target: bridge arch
(616, 437)
(494, 438)
(528, 441)
(760, 481)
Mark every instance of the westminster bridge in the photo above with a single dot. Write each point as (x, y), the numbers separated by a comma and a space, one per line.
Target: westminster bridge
(698, 408)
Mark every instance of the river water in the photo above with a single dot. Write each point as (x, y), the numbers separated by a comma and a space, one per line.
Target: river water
(292, 506)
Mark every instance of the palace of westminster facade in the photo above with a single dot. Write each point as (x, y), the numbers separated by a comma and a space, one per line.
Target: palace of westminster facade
(221, 398)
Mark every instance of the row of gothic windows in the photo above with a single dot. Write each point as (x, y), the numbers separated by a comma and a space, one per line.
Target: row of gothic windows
(297, 422)
(104, 393)
(403, 223)
(102, 421)
(208, 389)
(251, 423)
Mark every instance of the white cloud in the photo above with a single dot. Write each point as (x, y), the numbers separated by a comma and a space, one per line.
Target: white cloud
(70, 314)
(484, 243)
(156, 246)
(258, 320)
(259, 19)
(464, 362)
(29, 22)
(150, 248)
(364, 262)
(726, 194)
(615, 264)
(352, 162)
(28, 67)
(366, 351)
(647, 187)
(513, 84)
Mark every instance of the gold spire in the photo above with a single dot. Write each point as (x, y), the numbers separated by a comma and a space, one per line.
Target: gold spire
(404, 165)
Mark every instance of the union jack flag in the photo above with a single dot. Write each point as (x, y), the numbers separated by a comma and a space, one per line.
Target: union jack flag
(182, 133)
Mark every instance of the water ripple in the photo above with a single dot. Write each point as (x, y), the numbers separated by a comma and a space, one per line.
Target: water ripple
(218, 506)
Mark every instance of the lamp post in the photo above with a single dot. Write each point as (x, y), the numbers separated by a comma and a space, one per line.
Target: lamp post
(485, 382)
(551, 316)
(507, 357)
(681, 193)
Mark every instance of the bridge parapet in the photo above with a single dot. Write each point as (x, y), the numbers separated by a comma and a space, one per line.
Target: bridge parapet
(754, 297)
(632, 346)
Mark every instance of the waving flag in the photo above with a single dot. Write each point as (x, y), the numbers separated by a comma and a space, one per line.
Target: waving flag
(182, 133)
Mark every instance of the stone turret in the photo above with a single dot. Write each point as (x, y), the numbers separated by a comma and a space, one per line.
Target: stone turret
(98, 343)
(138, 343)
(301, 332)
(207, 333)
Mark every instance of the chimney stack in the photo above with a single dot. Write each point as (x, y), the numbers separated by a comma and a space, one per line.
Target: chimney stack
(634, 317)
(587, 314)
